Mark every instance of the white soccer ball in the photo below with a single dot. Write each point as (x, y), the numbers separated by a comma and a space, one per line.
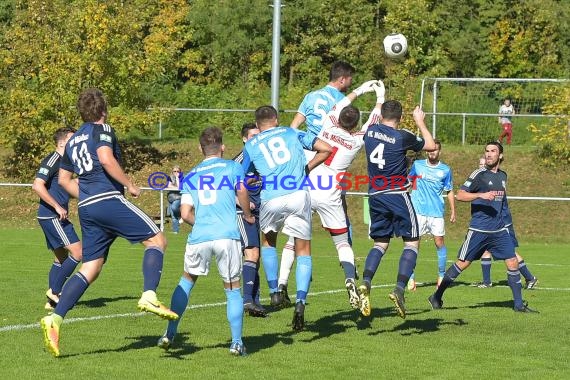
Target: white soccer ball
(395, 45)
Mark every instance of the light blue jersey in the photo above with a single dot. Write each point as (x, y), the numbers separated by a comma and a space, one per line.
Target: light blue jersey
(432, 182)
(315, 107)
(212, 186)
(277, 155)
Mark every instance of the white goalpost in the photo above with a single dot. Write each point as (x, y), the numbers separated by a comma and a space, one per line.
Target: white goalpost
(465, 110)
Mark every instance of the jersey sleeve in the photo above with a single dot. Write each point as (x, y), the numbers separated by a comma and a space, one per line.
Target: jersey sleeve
(473, 183)
(448, 181)
(246, 163)
(411, 141)
(305, 107)
(47, 170)
(238, 174)
(103, 135)
(374, 118)
(65, 163)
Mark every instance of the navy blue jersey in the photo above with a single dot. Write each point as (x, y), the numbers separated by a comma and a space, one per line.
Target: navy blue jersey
(386, 149)
(49, 172)
(253, 188)
(487, 216)
(81, 157)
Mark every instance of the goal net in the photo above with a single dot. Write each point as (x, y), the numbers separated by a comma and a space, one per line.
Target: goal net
(466, 110)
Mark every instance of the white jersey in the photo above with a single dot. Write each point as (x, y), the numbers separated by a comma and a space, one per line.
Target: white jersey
(506, 113)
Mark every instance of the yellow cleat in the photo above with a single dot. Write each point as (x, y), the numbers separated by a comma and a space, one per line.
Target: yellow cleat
(365, 308)
(51, 335)
(151, 304)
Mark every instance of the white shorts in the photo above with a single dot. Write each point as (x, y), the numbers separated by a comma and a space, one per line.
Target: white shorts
(289, 213)
(431, 225)
(329, 207)
(227, 253)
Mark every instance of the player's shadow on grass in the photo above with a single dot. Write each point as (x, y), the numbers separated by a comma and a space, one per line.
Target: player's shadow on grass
(103, 301)
(420, 326)
(499, 304)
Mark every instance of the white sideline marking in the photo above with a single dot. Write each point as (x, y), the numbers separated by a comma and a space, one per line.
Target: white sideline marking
(205, 305)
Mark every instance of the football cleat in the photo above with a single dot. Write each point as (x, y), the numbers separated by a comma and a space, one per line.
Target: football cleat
(285, 300)
(255, 310)
(164, 342)
(525, 309)
(397, 296)
(531, 284)
(482, 285)
(412, 285)
(365, 308)
(54, 298)
(151, 304)
(237, 349)
(435, 303)
(51, 335)
(276, 299)
(299, 317)
(353, 296)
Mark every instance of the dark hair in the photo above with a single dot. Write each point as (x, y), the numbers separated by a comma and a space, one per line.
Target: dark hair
(62, 133)
(92, 105)
(246, 128)
(497, 144)
(391, 110)
(211, 140)
(265, 113)
(438, 143)
(341, 69)
(349, 117)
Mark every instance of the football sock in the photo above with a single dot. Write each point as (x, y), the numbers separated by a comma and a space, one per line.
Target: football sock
(255, 290)
(287, 259)
(53, 273)
(407, 264)
(67, 268)
(371, 264)
(249, 271)
(178, 303)
(345, 254)
(514, 280)
(152, 267)
(303, 275)
(234, 311)
(72, 291)
(269, 259)
(450, 275)
(486, 269)
(441, 260)
(524, 271)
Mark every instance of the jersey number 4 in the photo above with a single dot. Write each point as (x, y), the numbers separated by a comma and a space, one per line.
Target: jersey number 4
(275, 152)
(377, 156)
(82, 158)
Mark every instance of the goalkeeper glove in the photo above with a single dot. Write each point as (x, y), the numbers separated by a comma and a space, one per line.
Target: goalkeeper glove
(380, 91)
(365, 87)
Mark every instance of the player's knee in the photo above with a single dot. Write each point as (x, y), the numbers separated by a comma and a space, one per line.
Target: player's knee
(158, 240)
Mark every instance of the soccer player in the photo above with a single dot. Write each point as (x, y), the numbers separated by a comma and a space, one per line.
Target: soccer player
(249, 233)
(506, 110)
(277, 155)
(391, 210)
(486, 190)
(486, 259)
(93, 153)
(52, 217)
(338, 132)
(432, 179)
(209, 205)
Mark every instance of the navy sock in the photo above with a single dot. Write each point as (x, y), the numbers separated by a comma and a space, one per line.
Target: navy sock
(450, 275)
(371, 265)
(486, 269)
(407, 265)
(53, 273)
(71, 293)
(66, 270)
(248, 272)
(524, 271)
(255, 290)
(514, 280)
(152, 267)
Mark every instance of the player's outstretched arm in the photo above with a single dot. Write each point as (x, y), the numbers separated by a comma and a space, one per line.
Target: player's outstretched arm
(465, 196)
(65, 180)
(112, 167)
(451, 199)
(419, 117)
(297, 120)
(323, 150)
(39, 186)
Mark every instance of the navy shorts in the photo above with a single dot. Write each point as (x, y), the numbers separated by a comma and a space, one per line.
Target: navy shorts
(104, 220)
(513, 235)
(249, 233)
(392, 215)
(58, 233)
(500, 244)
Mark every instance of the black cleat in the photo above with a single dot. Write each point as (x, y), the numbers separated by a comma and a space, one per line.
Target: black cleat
(254, 310)
(299, 317)
(276, 299)
(526, 309)
(285, 300)
(532, 283)
(435, 303)
(397, 296)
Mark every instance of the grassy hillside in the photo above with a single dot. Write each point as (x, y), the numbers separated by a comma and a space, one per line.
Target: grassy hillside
(534, 220)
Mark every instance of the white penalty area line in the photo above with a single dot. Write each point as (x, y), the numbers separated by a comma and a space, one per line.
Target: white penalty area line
(10, 328)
